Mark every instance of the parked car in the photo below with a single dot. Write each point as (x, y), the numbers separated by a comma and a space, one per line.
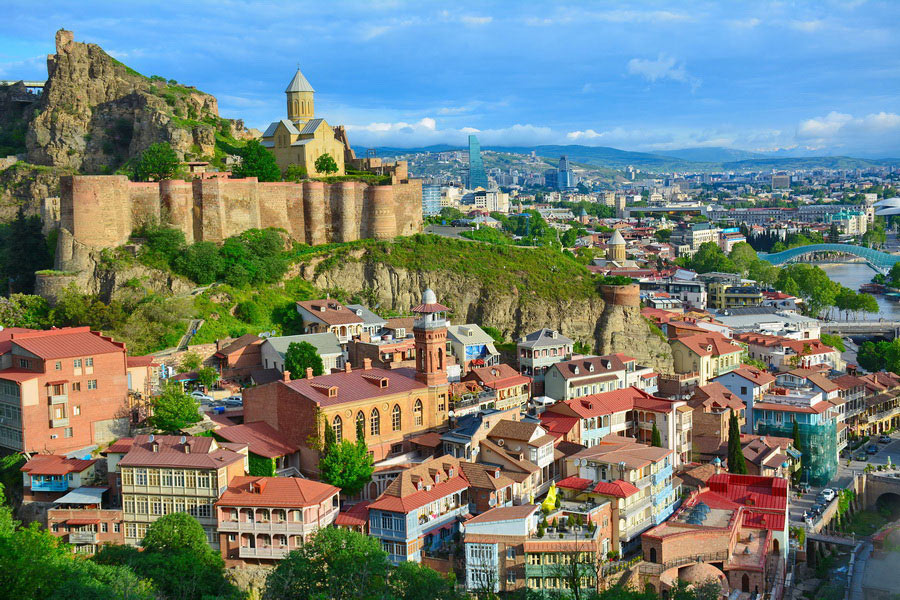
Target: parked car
(200, 396)
(885, 439)
(873, 449)
(233, 401)
(828, 494)
(862, 457)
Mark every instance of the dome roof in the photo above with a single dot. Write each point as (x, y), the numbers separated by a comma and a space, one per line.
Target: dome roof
(429, 297)
(616, 239)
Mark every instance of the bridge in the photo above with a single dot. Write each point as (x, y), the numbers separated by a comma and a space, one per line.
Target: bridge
(878, 260)
(33, 89)
(848, 328)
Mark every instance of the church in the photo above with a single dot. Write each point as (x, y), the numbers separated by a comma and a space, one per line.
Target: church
(301, 138)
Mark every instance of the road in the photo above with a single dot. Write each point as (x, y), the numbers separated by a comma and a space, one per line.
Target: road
(845, 475)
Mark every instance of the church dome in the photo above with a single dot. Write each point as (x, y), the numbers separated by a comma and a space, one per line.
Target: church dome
(429, 297)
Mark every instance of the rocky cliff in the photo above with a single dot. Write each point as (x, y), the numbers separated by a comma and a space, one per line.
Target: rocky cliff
(605, 326)
(95, 115)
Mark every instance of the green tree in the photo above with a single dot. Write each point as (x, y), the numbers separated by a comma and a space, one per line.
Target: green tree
(173, 410)
(347, 465)
(157, 162)
(200, 262)
(325, 164)
(175, 532)
(414, 581)
(190, 361)
(710, 258)
(299, 357)
(22, 310)
(796, 435)
(763, 272)
(736, 462)
(23, 250)
(208, 377)
(834, 341)
(743, 255)
(655, 437)
(336, 564)
(161, 245)
(294, 173)
(257, 161)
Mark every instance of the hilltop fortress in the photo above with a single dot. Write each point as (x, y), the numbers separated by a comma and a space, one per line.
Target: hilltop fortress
(102, 211)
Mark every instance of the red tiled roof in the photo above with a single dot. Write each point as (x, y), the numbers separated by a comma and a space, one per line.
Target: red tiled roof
(355, 516)
(754, 375)
(141, 361)
(261, 438)
(247, 490)
(19, 375)
(52, 464)
(420, 498)
(709, 344)
(618, 488)
(498, 376)
(66, 342)
(242, 342)
(121, 445)
(403, 493)
(335, 313)
(359, 384)
(584, 367)
(557, 425)
(751, 490)
(505, 513)
(204, 453)
(574, 483)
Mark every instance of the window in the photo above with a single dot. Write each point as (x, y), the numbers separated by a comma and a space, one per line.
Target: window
(153, 478)
(117, 527)
(89, 362)
(387, 522)
(67, 432)
(511, 552)
(92, 384)
(140, 476)
(396, 418)
(232, 537)
(76, 363)
(375, 422)
(104, 528)
(59, 365)
(510, 577)
(417, 413)
(76, 410)
(167, 478)
(203, 479)
(76, 386)
(178, 477)
(337, 426)
(360, 422)
(23, 363)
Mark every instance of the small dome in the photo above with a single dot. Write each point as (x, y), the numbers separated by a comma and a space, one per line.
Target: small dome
(429, 297)
(717, 461)
(784, 465)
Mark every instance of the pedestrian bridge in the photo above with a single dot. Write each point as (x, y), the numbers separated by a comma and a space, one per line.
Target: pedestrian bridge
(878, 260)
(890, 329)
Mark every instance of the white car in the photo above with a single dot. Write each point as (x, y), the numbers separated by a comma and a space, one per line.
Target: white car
(828, 494)
(200, 396)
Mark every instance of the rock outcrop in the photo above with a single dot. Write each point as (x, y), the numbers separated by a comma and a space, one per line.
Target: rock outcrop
(605, 326)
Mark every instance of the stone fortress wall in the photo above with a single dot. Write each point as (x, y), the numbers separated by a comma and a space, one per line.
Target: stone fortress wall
(102, 211)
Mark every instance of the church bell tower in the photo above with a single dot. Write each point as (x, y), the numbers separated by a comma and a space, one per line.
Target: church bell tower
(430, 332)
(300, 99)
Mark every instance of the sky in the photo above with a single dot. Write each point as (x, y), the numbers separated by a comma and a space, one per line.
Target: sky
(794, 77)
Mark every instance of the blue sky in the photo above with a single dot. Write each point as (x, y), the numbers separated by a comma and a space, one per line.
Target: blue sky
(818, 77)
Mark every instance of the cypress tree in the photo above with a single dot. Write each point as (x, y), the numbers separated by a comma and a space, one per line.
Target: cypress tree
(656, 438)
(736, 462)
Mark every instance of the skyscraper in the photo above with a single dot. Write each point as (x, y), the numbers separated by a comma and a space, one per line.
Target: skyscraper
(477, 176)
(565, 178)
(431, 199)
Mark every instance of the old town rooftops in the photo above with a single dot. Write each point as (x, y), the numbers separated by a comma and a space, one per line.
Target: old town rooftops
(754, 374)
(421, 484)
(63, 343)
(613, 401)
(715, 395)
(354, 385)
(181, 451)
(615, 449)
(247, 490)
(709, 344)
(544, 337)
(330, 312)
(505, 513)
(586, 366)
(261, 438)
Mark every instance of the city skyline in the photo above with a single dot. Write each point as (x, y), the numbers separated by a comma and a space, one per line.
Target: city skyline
(800, 78)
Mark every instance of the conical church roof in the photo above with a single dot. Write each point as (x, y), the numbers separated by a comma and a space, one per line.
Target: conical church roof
(299, 84)
(616, 239)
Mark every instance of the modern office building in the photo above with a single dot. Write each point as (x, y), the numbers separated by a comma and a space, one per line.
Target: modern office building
(477, 175)
(431, 199)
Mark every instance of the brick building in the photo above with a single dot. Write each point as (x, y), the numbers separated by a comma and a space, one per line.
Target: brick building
(240, 357)
(391, 405)
(261, 519)
(61, 390)
(495, 547)
(46, 477)
(80, 520)
(511, 388)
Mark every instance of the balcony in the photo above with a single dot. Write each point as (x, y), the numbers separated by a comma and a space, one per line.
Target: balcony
(630, 532)
(248, 552)
(83, 537)
(59, 399)
(61, 422)
(49, 485)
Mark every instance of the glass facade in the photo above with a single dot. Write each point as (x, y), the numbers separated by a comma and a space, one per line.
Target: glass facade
(431, 200)
(477, 175)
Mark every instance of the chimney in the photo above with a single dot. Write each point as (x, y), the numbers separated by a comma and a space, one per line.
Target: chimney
(187, 448)
(347, 368)
(367, 364)
(309, 373)
(286, 376)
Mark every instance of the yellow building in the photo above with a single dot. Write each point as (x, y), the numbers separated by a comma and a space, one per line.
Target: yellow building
(301, 138)
(723, 295)
(706, 354)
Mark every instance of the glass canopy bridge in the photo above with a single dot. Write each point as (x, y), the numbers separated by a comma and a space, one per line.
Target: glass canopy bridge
(878, 260)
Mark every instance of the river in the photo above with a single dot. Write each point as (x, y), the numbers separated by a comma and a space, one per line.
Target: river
(852, 275)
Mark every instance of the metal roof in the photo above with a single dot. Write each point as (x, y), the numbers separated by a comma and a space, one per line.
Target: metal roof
(310, 126)
(299, 83)
(326, 343)
(83, 495)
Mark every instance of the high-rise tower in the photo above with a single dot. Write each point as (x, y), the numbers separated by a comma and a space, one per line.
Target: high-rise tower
(300, 99)
(430, 331)
(477, 176)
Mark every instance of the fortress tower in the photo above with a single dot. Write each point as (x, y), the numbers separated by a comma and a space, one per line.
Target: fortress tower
(430, 331)
(300, 101)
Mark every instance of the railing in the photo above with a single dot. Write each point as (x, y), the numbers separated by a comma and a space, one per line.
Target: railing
(63, 422)
(83, 537)
(247, 552)
(290, 527)
(657, 568)
(59, 399)
(629, 532)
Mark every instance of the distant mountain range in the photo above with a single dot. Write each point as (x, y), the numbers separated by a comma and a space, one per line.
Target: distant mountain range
(686, 159)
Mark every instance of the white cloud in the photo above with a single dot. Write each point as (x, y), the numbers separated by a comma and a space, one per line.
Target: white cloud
(426, 132)
(749, 23)
(473, 20)
(810, 26)
(454, 110)
(840, 130)
(664, 67)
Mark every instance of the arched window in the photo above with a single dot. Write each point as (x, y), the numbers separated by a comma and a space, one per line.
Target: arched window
(396, 418)
(296, 106)
(338, 427)
(375, 423)
(360, 422)
(417, 413)
(440, 358)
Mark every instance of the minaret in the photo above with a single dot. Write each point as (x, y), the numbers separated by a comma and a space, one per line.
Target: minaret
(430, 331)
(300, 99)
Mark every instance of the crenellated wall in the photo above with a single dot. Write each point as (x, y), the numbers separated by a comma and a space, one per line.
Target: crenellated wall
(102, 211)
